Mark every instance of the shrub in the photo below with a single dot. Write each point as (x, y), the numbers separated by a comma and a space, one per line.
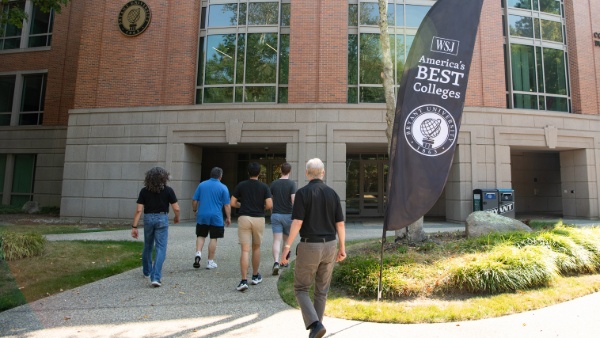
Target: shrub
(15, 246)
(505, 269)
(9, 209)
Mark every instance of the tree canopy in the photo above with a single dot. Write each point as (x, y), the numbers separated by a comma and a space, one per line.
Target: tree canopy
(13, 13)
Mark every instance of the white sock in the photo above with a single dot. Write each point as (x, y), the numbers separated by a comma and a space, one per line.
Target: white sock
(210, 261)
(199, 253)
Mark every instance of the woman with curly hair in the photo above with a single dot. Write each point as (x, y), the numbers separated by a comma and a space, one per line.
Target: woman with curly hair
(153, 201)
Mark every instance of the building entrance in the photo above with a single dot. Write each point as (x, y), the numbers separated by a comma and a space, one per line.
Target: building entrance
(366, 191)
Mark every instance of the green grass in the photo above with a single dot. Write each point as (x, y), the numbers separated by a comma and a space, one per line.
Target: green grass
(63, 266)
(52, 229)
(452, 278)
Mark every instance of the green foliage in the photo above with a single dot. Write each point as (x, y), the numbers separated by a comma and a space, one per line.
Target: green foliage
(15, 15)
(18, 245)
(9, 209)
(505, 269)
(492, 264)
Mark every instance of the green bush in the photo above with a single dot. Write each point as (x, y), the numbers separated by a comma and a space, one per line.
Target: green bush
(9, 209)
(15, 246)
(505, 269)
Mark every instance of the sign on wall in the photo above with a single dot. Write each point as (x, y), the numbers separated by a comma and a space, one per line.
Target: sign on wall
(597, 39)
(134, 18)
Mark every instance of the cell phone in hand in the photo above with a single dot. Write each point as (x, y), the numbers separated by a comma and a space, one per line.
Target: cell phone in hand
(288, 255)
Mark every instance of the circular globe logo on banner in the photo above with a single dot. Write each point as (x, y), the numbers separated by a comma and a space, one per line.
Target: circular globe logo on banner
(134, 18)
(430, 130)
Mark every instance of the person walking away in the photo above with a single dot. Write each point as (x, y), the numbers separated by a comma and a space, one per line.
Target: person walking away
(252, 197)
(153, 200)
(283, 191)
(317, 216)
(209, 201)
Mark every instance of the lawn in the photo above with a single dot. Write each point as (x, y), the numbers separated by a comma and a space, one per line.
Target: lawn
(452, 278)
(63, 265)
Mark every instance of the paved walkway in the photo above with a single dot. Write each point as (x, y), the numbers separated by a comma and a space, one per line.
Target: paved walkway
(204, 303)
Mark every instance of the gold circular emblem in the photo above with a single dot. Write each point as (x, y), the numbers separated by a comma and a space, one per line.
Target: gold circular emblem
(134, 18)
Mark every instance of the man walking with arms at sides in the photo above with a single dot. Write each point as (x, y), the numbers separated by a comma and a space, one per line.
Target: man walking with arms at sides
(209, 200)
(283, 191)
(317, 215)
(252, 197)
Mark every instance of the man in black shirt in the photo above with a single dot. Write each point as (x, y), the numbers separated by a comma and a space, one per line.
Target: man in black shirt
(283, 190)
(317, 215)
(252, 197)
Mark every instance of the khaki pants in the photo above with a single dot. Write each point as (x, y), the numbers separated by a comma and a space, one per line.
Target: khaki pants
(314, 264)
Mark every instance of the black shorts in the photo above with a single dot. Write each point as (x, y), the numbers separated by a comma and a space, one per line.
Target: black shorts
(202, 230)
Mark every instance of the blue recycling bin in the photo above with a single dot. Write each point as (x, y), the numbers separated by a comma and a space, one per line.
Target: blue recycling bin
(499, 201)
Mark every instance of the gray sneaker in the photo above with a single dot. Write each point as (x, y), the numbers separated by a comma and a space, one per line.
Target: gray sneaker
(256, 279)
(243, 286)
(275, 269)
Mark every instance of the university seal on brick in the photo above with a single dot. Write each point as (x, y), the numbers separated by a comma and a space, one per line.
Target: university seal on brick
(134, 18)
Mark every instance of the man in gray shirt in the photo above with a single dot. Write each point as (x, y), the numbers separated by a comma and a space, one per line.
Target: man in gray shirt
(283, 191)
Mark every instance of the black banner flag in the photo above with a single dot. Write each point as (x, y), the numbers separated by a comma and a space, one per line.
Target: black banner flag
(429, 108)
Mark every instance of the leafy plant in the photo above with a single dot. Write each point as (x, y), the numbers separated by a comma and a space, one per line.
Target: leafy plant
(21, 245)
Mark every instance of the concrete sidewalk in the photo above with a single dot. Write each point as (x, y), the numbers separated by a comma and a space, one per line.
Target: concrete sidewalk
(204, 303)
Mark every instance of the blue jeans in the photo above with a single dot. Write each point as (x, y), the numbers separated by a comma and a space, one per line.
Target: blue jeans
(156, 233)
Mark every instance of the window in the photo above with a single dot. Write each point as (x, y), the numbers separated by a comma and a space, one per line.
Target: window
(536, 57)
(243, 52)
(365, 82)
(22, 98)
(22, 182)
(19, 188)
(36, 31)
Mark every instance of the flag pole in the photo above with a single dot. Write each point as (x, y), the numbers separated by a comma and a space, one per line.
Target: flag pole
(379, 286)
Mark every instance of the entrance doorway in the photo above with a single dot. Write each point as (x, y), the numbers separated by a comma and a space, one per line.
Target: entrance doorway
(366, 189)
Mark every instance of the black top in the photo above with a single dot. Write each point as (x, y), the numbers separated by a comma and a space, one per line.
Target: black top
(319, 208)
(252, 195)
(157, 202)
(282, 190)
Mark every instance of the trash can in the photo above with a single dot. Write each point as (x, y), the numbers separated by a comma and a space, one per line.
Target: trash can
(506, 204)
(485, 200)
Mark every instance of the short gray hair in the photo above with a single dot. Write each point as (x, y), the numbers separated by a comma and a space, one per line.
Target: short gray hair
(216, 172)
(315, 168)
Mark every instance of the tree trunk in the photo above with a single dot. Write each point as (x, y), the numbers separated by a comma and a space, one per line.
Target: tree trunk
(415, 231)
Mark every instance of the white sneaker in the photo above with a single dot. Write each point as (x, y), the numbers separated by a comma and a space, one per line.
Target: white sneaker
(211, 265)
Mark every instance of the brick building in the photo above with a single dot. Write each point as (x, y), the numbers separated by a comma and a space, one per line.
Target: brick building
(94, 96)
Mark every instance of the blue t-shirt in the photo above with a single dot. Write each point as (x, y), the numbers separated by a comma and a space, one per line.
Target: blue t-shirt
(211, 195)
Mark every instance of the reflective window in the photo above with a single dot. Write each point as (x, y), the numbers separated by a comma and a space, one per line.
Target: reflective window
(520, 26)
(222, 15)
(523, 4)
(36, 31)
(248, 63)
(28, 91)
(7, 92)
(263, 13)
(365, 78)
(552, 31)
(32, 99)
(537, 55)
(415, 15)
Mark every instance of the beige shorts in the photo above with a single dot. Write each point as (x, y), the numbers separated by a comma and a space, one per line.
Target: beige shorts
(251, 229)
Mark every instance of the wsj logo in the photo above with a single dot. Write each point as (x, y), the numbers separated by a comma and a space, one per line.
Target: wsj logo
(446, 46)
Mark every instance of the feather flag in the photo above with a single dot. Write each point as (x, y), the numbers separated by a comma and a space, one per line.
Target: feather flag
(429, 108)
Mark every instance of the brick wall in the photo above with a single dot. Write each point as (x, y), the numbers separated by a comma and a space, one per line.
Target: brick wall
(152, 69)
(582, 20)
(318, 51)
(59, 61)
(487, 81)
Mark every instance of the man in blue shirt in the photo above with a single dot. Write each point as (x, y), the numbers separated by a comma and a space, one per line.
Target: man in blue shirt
(209, 200)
